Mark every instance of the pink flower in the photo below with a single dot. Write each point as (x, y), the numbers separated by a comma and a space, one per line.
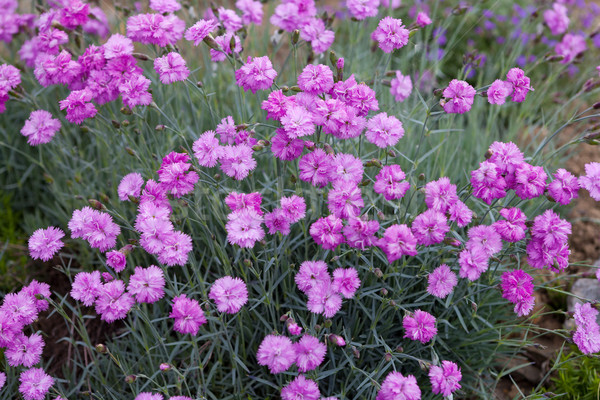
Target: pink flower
(459, 97)
(86, 287)
(117, 45)
(149, 395)
(444, 379)
(175, 174)
(460, 213)
(517, 287)
(40, 127)
(293, 328)
(587, 334)
(322, 299)
(591, 180)
(277, 221)
(297, 122)
(513, 228)
(320, 38)
(390, 34)
(74, 13)
(35, 383)
(230, 20)
(540, 255)
(134, 91)
(147, 284)
(44, 243)
(239, 201)
(207, 149)
(570, 47)
(441, 281)
(78, 106)
(252, 11)
(316, 79)
(419, 326)
(224, 42)
(396, 386)
(113, 301)
(360, 233)
(165, 6)
(397, 241)
(345, 200)
(472, 264)
(401, 87)
(157, 29)
(230, 294)
(20, 308)
(276, 104)
(316, 167)
(551, 229)
(327, 232)
(530, 181)
(175, 249)
(345, 281)
(484, 238)
(277, 353)
(35, 289)
(25, 350)
(301, 388)
(390, 182)
(171, 68)
(520, 84)
(244, 228)
(116, 260)
(310, 353)
(130, 185)
(557, 19)
(440, 195)
(423, 20)
(361, 9)
(187, 314)
(506, 156)
(200, 30)
(564, 187)
(487, 182)
(311, 273)
(384, 131)
(256, 74)
(498, 92)
(430, 227)
(294, 207)
(237, 161)
(284, 147)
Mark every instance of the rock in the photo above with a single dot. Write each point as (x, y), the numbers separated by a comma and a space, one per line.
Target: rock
(585, 288)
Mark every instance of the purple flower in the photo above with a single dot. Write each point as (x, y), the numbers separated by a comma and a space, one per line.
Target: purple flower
(25, 350)
(390, 34)
(237, 161)
(384, 131)
(310, 353)
(444, 379)
(44, 243)
(557, 19)
(256, 74)
(244, 228)
(301, 388)
(171, 68)
(315, 167)
(587, 334)
(116, 260)
(517, 287)
(230, 294)
(484, 238)
(472, 264)
(440, 195)
(419, 326)
(86, 287)
(175, 174)
(320, 38)
(200, 30)
(591, 180)
(40, 127)
(487, 182)
(157, 29)
(134, 91)
(35, 383)
(113, 301)
(165, 6)
(564, 187)
(298, 122)
(360, 232)
(441, 281)
(187, 314)
(401, 87)
(513, 228)
(570, 47)
(396, 386)
(345, 281)
(311, 273)
(316, 79)
(277, 353)
(327, 232)
(459, 97)
(498, 92)
(130, 185)
(430, 227)
(344, 200)
(390, 182)
(252, 11)
(361, 9)
(78, 106)
(147, 284)
(322, 299)
(398, 240)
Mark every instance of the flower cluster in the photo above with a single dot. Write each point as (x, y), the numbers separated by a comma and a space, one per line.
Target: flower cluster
(10, 78)
(517, 287)
(587, 334)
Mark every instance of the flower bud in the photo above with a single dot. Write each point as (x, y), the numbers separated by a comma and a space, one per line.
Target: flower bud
(159, 128)
(100, 348)
(399, 349)
(388, 357)
(126, 110)
(257, 147)
(392, 153)
(247, 263)
(554, 58)
(356, 352)
(210, 42)
(48, 178)
(115, 124)
(130, 151)
(421, 177)
(295, 37)
(130, 379)
(141, 56)
(296, 89)
(384, 292)
(165, 367)
(96, 204)
(474, 307)
(328, 149)
(284, 318)
(378, 273)
(217, 177)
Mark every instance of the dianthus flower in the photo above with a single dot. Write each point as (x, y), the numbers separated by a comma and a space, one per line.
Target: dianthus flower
(422, 20)
(35, 383)
(530, 181)
(297, 122)
(154, 193)
(147, 284)
(358, 96)
(401, 87)
(200, 30)
(591, 180)
(472, 264)
(229, 19)
(322, 299)
(301, 388)
(149, 395)
(230, 294)
(345, 281)
(310, 353)
(117, 45)
(315, 167)
(484, 238)
(240, 201)
(487, 182)
(331, 114)
(430, 227)
(277, 353)
(347, 169)
(311, 273)
(187, 314)
(113, 301)
(397, 241)
(361, 9)
(444, 379)
(390, 182)
(244, 228)
(441, 281)
(344, 200)
(440, 195)
(540, 256)
(419, 326)
(78, 106)
(94, 226)
(316, 79)
(25, 350)
(51, 70)
(319, 37)
(284, 147)
(360, 232)
(587, 334)
(165, 6)
(506, 156)
(498, 92)
(557, 19)
(44, 243)
(293, 328)
(550, 229)
(20, 308)
(36, 288)
(460, 213)
(9, 328)
(286, 16)
(73, 14)
(175, 176)
(237, 161)
(277, 221)
(157, 29)
(564, 187)
(86, 287)
(171, 68)
(327, 232)
(2, 380)
(130, 185)
(116, 260)
(175, 249)
(390, 34)
(384, 131)
(134, 91)
(570, 46)
(513, 228)
(459, 97)
(276, 104)
(396, 386)
(207, 149)
(40, 127)
(517, 287)
(252, 11)
(256, 74)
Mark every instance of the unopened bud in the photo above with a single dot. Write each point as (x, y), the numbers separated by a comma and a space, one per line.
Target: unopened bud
(257, 147)
(317, 328)
(366, 182)
(125, 123)
(554, 58)
(104, 198)
(126, 110)
(159, 128)
(591, 84)
(217, 177)
(284, 318)
(378, 273)
(327, 323)
(48, 178)
(328, 149)
(356, 352)
(130, 151)
(474, 307)
(115, 124)
(380, 215)
(373, 162)
(165, 367)
(421, 177)
(247, 263)
(392, 303)
(384, 292)
(388, 357)
(295, 36)
(100, 348)
(399, 349)
(284, 89)
(452, 242)
(438, 92)
(295, 89)
(412, 32)
(392, 153)
(424, 365)
(459, 10)
(141, 56)
(130, 379)
(210, 42)
(96, 204)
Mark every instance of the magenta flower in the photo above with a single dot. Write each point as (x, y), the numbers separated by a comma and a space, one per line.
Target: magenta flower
(175, 174)
(444, 379)
(35, 383)
(78, 106)
(200, 30)
(422, 20)
(301, 388)
(187, 314)
(35, 289)
(117, 45)
(472, 264)
(460, 213)
(530, 181)
(256, 74)
(487, 182)
(517, 287)
(134, 91)
(564, 187)
(390, 182)
(322, 299)
(40, 127)
(506, 156)
(20, 308)
(207, 149)
(513, 228)
(360, 232)
(591, 180)
(130, 185)
(430, 227)
(224, 42)
(113, 301)
(327, 232)
(276, 104)
(150, 395)
(44, 243)
(557, 19)
(244, 228)
(520, 84)
(484, 238)
(116, 260)
(315, 167)
(297, 122)
(316, 79)
(384, 131)
(311, 273)
(294, 207)
(441, 281)
(498, 92)
(165, 6)
(277, 221)
(396, 386)
(277, 353)
(25, 350)
(361, 9)
(239, 201)
(419, 326)
(440, 195)
(459, 97)
(147, 284)
(397, 241)
(237, 161)
(175, 249)
(86, 287)
(320, 38)
(157, 29)
(390, 34)
(550, 229)
(570, 47)
(344, 200)
(401, 87)
(345, 281)
(230, 294)
(587, 334)
(252, 11)
(293, 328)
(310, 353)
(171, 68)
